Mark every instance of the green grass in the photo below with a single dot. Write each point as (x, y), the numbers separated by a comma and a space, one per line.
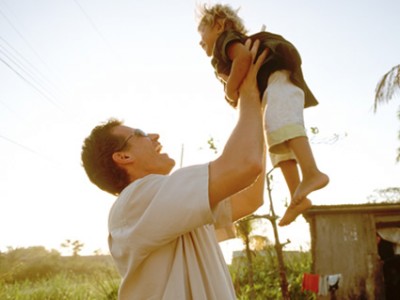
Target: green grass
(35, 273)
(63, 286)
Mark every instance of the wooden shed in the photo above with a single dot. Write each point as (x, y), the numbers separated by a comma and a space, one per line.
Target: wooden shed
(344, 241)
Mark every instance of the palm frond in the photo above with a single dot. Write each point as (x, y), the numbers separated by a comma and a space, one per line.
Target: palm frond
(387, 86)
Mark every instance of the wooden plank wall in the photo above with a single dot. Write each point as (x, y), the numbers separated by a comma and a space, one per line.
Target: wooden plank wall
(345, 243)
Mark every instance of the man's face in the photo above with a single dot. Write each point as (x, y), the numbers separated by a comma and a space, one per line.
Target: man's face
(145, 152)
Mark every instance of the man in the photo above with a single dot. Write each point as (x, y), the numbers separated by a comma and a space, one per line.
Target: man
(162, 227)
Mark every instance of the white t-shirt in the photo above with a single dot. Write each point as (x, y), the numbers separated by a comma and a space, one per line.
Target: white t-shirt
(162, 238)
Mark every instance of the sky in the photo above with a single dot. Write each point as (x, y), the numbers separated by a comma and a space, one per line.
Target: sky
(68, 65)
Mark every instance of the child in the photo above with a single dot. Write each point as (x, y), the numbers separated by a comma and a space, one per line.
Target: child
(283, 91)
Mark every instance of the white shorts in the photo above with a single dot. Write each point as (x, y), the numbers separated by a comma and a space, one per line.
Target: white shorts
(283, 115)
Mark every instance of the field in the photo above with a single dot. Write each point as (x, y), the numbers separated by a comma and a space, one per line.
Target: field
(37, 274)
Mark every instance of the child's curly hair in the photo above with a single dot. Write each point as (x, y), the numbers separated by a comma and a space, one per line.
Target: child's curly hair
(209, 15)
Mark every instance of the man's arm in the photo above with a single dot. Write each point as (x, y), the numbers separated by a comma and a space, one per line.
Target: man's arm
(250, 199)
(241, 161)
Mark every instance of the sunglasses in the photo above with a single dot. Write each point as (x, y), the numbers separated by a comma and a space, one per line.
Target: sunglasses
(136, 132)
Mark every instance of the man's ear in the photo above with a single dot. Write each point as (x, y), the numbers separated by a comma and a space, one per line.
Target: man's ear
(122, 158)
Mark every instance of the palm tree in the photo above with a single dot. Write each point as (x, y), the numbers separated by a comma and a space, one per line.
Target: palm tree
(386, 89)
(387, 86)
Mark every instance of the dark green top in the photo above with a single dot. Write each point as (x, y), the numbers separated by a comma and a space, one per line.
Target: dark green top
(282, 56)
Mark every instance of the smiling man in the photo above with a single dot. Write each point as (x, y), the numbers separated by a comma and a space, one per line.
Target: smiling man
(164, 225)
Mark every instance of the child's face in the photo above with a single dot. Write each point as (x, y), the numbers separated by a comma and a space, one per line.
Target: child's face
(209, 35)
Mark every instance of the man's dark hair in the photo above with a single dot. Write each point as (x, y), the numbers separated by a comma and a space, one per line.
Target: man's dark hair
(97, 151)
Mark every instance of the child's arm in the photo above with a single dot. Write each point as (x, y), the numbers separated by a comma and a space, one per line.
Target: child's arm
(241, 61)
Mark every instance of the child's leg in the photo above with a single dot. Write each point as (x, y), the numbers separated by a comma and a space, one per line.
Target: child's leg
(284, 121)
(283, 114)
(291, 174)
(312, 178)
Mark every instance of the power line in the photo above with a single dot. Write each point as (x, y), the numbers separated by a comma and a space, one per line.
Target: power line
(13, 62)
(92, 23)
(28, 72)
(29, 82)
(23, 38)
(22, 61)
(17, 63)
(26, 148)
(18, 144)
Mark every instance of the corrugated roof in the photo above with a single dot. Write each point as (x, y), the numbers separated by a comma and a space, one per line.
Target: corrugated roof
(387, 208)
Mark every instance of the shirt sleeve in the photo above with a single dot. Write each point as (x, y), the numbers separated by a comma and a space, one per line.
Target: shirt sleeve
(224, 228)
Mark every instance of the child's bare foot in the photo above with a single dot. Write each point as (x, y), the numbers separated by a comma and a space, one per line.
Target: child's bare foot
(309, 185)
(293, 211)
